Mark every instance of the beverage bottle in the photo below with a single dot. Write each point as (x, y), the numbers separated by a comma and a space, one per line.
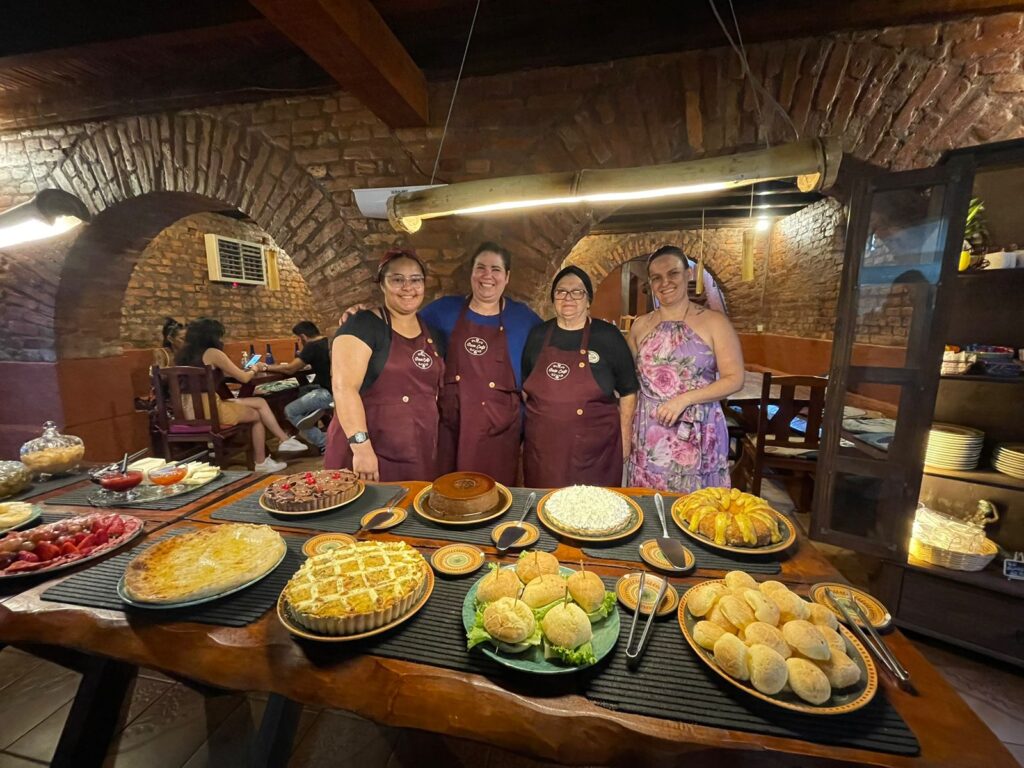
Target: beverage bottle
(269, 359)
(245, 359)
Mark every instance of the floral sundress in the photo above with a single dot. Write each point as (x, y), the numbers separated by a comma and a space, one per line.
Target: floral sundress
(692, 453)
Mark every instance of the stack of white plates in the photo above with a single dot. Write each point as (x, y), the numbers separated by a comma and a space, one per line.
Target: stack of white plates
(1008, 458)
(953, 447)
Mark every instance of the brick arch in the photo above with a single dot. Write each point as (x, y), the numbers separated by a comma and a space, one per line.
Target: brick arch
(139, 175)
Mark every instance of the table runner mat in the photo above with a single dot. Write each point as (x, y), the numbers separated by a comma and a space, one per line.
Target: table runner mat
(79, 497)
(705, 556)
(345, 519)
(670, 682)
(96, 587)
(40, 487)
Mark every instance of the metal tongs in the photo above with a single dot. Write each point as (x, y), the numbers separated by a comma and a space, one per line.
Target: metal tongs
(633, 652)
(871, 639)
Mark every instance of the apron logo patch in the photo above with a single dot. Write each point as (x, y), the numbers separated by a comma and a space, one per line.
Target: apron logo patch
(422, 360)
(557, 371)
(476, 346)
(593, 357)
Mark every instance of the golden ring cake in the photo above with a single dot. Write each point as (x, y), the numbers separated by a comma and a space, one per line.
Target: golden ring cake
(731, 517)
(203, 563)
(463, 495)
(308, 491)
(356, 588)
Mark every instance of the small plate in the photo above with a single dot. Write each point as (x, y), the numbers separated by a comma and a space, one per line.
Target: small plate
(295, 629)
(788, 534)
(529, 537)
(421, 505)
(841, 702)
(398, 514)
(305, 512)
(121, 593)
(877, 613)
(325, 542)
(628, 586)
(457, 559)
(632, 526)
(33, 516)
(650, 553)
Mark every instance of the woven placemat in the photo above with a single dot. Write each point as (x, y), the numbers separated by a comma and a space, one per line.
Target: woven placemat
(79, 497)
(414, 525)
(40, 487)
(342, 520)
(96, 587)
(670, 683)
(705, 557)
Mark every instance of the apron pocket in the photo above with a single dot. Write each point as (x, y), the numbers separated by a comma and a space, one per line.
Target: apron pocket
(397, 441)
(448, 404)
(502, 412)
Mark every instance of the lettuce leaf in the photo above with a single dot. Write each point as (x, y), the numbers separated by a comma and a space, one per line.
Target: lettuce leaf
(578, 657)
(477, 635)
(604, 610)
(541, 612)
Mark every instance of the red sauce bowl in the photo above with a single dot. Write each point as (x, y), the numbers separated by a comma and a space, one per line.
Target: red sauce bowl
(120, 482)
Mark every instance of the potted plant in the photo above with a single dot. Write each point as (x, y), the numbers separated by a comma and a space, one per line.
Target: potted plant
(975, 234)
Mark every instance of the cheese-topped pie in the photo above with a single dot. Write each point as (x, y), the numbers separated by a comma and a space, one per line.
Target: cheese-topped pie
(356, 588)
(203, 563)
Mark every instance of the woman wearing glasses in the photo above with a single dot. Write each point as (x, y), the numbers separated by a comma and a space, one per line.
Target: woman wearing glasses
(386, 374)
(580, 389)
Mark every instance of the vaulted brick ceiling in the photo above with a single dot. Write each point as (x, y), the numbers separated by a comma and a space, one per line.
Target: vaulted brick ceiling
(58, 64)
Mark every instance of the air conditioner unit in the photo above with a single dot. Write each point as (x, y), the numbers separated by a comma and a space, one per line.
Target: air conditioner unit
(235, 261)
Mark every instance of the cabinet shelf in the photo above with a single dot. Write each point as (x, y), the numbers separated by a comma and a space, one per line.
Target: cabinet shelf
(983, 377)
(978, 476)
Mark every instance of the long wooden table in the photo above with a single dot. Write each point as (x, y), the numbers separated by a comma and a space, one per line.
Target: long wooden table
(568, 728)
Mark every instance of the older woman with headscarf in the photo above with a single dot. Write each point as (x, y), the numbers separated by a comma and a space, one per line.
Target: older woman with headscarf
(580, 389)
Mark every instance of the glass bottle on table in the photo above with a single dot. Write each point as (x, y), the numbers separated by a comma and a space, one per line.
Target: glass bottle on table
(269, 357)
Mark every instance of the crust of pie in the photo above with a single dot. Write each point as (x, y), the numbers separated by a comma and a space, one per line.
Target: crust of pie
(203, 563)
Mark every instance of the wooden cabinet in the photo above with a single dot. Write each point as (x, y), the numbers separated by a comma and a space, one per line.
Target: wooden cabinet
(902, 256)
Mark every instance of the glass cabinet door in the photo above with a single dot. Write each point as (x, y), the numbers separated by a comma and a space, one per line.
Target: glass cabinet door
(903, 241)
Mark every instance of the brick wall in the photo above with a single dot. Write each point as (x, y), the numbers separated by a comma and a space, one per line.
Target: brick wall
(897, 97)
(171, 279)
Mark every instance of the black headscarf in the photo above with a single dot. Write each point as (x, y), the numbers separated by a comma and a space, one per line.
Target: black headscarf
(574, 270)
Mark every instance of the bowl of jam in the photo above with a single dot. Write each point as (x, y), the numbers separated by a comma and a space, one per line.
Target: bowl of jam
(119, 482)
(166, 476)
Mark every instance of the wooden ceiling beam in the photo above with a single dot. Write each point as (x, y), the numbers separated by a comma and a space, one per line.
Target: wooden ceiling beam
(353, 44)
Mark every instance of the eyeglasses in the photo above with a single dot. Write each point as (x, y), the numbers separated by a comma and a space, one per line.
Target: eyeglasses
(575, 293)
(400, 281)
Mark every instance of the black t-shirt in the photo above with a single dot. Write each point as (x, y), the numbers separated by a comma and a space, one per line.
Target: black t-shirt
(317, 355)
(614, 370)
(370, 329)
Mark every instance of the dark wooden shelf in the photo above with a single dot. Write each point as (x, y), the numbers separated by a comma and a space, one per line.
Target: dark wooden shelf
(979, 476)
(990, 578)
(983, 377)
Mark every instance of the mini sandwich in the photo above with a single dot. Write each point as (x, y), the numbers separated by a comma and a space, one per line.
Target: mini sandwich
(544, 592)
(508, 624)
(500, 582)
(534, 564)
(567, 635)
(587, 589)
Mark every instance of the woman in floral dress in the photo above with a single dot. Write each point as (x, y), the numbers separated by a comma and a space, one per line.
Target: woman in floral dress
(688, 358)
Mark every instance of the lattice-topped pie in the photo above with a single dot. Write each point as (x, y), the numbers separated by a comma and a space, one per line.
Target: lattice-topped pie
(356, 588)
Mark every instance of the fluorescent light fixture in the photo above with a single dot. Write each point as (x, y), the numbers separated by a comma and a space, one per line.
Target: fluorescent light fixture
(763, 224)
(813, 163)
(51, 212)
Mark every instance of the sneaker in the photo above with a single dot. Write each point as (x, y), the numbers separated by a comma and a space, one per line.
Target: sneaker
(271, 465)
(292, 444)
(311, 420)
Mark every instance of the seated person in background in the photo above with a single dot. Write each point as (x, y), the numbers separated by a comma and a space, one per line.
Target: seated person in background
(204, 346)
(314, 399)
(173, 339)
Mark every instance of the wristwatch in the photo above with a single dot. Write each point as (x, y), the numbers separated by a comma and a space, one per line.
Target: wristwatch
(359, 437)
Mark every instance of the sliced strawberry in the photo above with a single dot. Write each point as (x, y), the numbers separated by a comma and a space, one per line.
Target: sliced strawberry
(46, 551)
(69, 549)
(79, 538)
(83, 551)
(116, 528)
(101, 536)
(28, 557)
(89, 541)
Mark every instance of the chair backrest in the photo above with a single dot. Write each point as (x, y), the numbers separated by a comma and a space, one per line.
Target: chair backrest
(626, 322)
(180, 394)
(798, 396)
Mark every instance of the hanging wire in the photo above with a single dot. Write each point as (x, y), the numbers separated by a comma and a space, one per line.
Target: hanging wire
(757, 86)
(700, 261)
(455, 91)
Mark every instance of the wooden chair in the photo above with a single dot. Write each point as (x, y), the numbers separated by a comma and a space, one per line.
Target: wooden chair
(777, 445)
(176, 424)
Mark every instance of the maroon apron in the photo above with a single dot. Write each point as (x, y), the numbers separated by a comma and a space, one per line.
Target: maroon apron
(573, 433)
(485, 437)
(401, 413)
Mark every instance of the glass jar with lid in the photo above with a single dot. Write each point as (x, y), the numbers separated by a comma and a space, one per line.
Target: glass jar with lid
(52, 453)
(14, 478)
